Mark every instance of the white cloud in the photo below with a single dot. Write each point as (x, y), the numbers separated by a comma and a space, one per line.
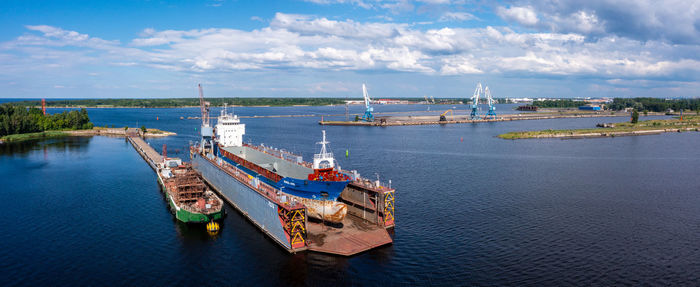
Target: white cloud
(303, 42)
(674, 21)
(456, 16)
(522, 15)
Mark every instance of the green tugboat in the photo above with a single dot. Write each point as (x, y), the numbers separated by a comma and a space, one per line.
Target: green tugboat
(189, 198)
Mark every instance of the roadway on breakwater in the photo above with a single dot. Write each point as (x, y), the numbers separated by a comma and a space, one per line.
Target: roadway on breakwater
(463, 119)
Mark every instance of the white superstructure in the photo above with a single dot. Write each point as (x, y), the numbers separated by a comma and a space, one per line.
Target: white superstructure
(229, 129)
(324, 159)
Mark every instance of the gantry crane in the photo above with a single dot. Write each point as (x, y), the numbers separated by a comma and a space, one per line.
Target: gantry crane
(475, 102)
(368, 116)
(205, 130)
(492, 108)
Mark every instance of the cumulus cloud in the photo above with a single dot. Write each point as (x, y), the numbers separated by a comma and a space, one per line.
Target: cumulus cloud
(305, 42)
(522, 15)
(675, 21)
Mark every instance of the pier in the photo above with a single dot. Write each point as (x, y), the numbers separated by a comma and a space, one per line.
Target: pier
(146, 151)
(464, 119)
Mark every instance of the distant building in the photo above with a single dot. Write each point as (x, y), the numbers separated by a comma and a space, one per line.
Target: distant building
(589, 108)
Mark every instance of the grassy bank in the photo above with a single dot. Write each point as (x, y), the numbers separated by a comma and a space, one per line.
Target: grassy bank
(689, 123)
(33, 136)
(96, 131)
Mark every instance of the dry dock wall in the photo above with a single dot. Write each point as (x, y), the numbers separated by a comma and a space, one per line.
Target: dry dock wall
(258, 209)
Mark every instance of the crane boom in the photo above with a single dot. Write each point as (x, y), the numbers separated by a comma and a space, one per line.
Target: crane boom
(368, 105)
(203, 106)
(366, 96)
(492, 109)
(475, 102)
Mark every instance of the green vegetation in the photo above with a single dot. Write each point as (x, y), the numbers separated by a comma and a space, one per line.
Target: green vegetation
(654, 104)
(20, 120)
(185, 102)
(688, 122)
(32, 136)
(635, 117)
(143, 129)
(558, 104)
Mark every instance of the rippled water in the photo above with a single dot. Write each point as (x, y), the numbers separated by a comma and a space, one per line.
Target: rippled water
(471, 209)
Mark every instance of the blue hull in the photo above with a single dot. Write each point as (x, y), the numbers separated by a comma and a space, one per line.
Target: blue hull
(312, 189)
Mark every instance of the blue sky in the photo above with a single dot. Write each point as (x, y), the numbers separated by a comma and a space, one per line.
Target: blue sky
(328, 48)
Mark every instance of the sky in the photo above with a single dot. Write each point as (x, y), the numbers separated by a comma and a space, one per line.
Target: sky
(328, 48)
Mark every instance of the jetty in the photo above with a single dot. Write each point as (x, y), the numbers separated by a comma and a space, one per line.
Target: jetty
(412, 120)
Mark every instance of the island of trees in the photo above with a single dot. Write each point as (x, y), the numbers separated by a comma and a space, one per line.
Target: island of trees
(20, 120)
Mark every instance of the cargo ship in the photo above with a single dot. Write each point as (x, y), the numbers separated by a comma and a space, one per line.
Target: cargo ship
(190, 200)
(316, 185)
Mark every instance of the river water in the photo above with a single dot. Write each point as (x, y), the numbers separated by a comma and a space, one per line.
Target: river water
(471, 209)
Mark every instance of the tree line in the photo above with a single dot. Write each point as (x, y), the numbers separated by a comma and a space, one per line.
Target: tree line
(558, 104)
(654, 104)
(184, 102)
(19, 120)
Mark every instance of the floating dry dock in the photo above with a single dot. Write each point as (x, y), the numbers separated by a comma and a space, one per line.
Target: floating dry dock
(370, 211)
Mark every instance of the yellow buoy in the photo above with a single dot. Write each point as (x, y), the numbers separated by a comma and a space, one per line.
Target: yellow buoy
(212, 227)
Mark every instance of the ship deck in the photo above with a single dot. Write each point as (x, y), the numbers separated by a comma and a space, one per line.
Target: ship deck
(355, 236)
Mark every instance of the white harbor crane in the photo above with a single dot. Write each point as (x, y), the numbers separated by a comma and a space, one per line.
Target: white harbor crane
(492, 109)
(368, 116)
(475, 102)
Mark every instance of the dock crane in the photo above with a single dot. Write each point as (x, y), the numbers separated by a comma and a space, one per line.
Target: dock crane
(368, 116)
(492, 109)
(206, 130)
(475, 102)
(443, 117)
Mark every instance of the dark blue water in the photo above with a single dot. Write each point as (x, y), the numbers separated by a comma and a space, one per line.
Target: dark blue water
(471, 209)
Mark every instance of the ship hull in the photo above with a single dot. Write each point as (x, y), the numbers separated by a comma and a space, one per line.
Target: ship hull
(251, 160)
(312, 189)
(328, 211)
(187, 216)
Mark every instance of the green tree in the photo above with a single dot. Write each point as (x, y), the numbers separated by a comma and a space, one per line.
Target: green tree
(143, 129)
(635, 116)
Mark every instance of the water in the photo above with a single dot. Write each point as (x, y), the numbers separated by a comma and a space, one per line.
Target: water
(471, 209)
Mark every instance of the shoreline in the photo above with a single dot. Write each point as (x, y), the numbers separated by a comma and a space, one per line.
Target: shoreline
(96, 131)
(605, 134)
(649, 127)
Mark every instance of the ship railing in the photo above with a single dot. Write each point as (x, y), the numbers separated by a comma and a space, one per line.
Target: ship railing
(323, 155)
(262, 187)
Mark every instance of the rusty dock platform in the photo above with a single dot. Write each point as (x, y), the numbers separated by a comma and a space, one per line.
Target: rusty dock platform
(370, 214)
